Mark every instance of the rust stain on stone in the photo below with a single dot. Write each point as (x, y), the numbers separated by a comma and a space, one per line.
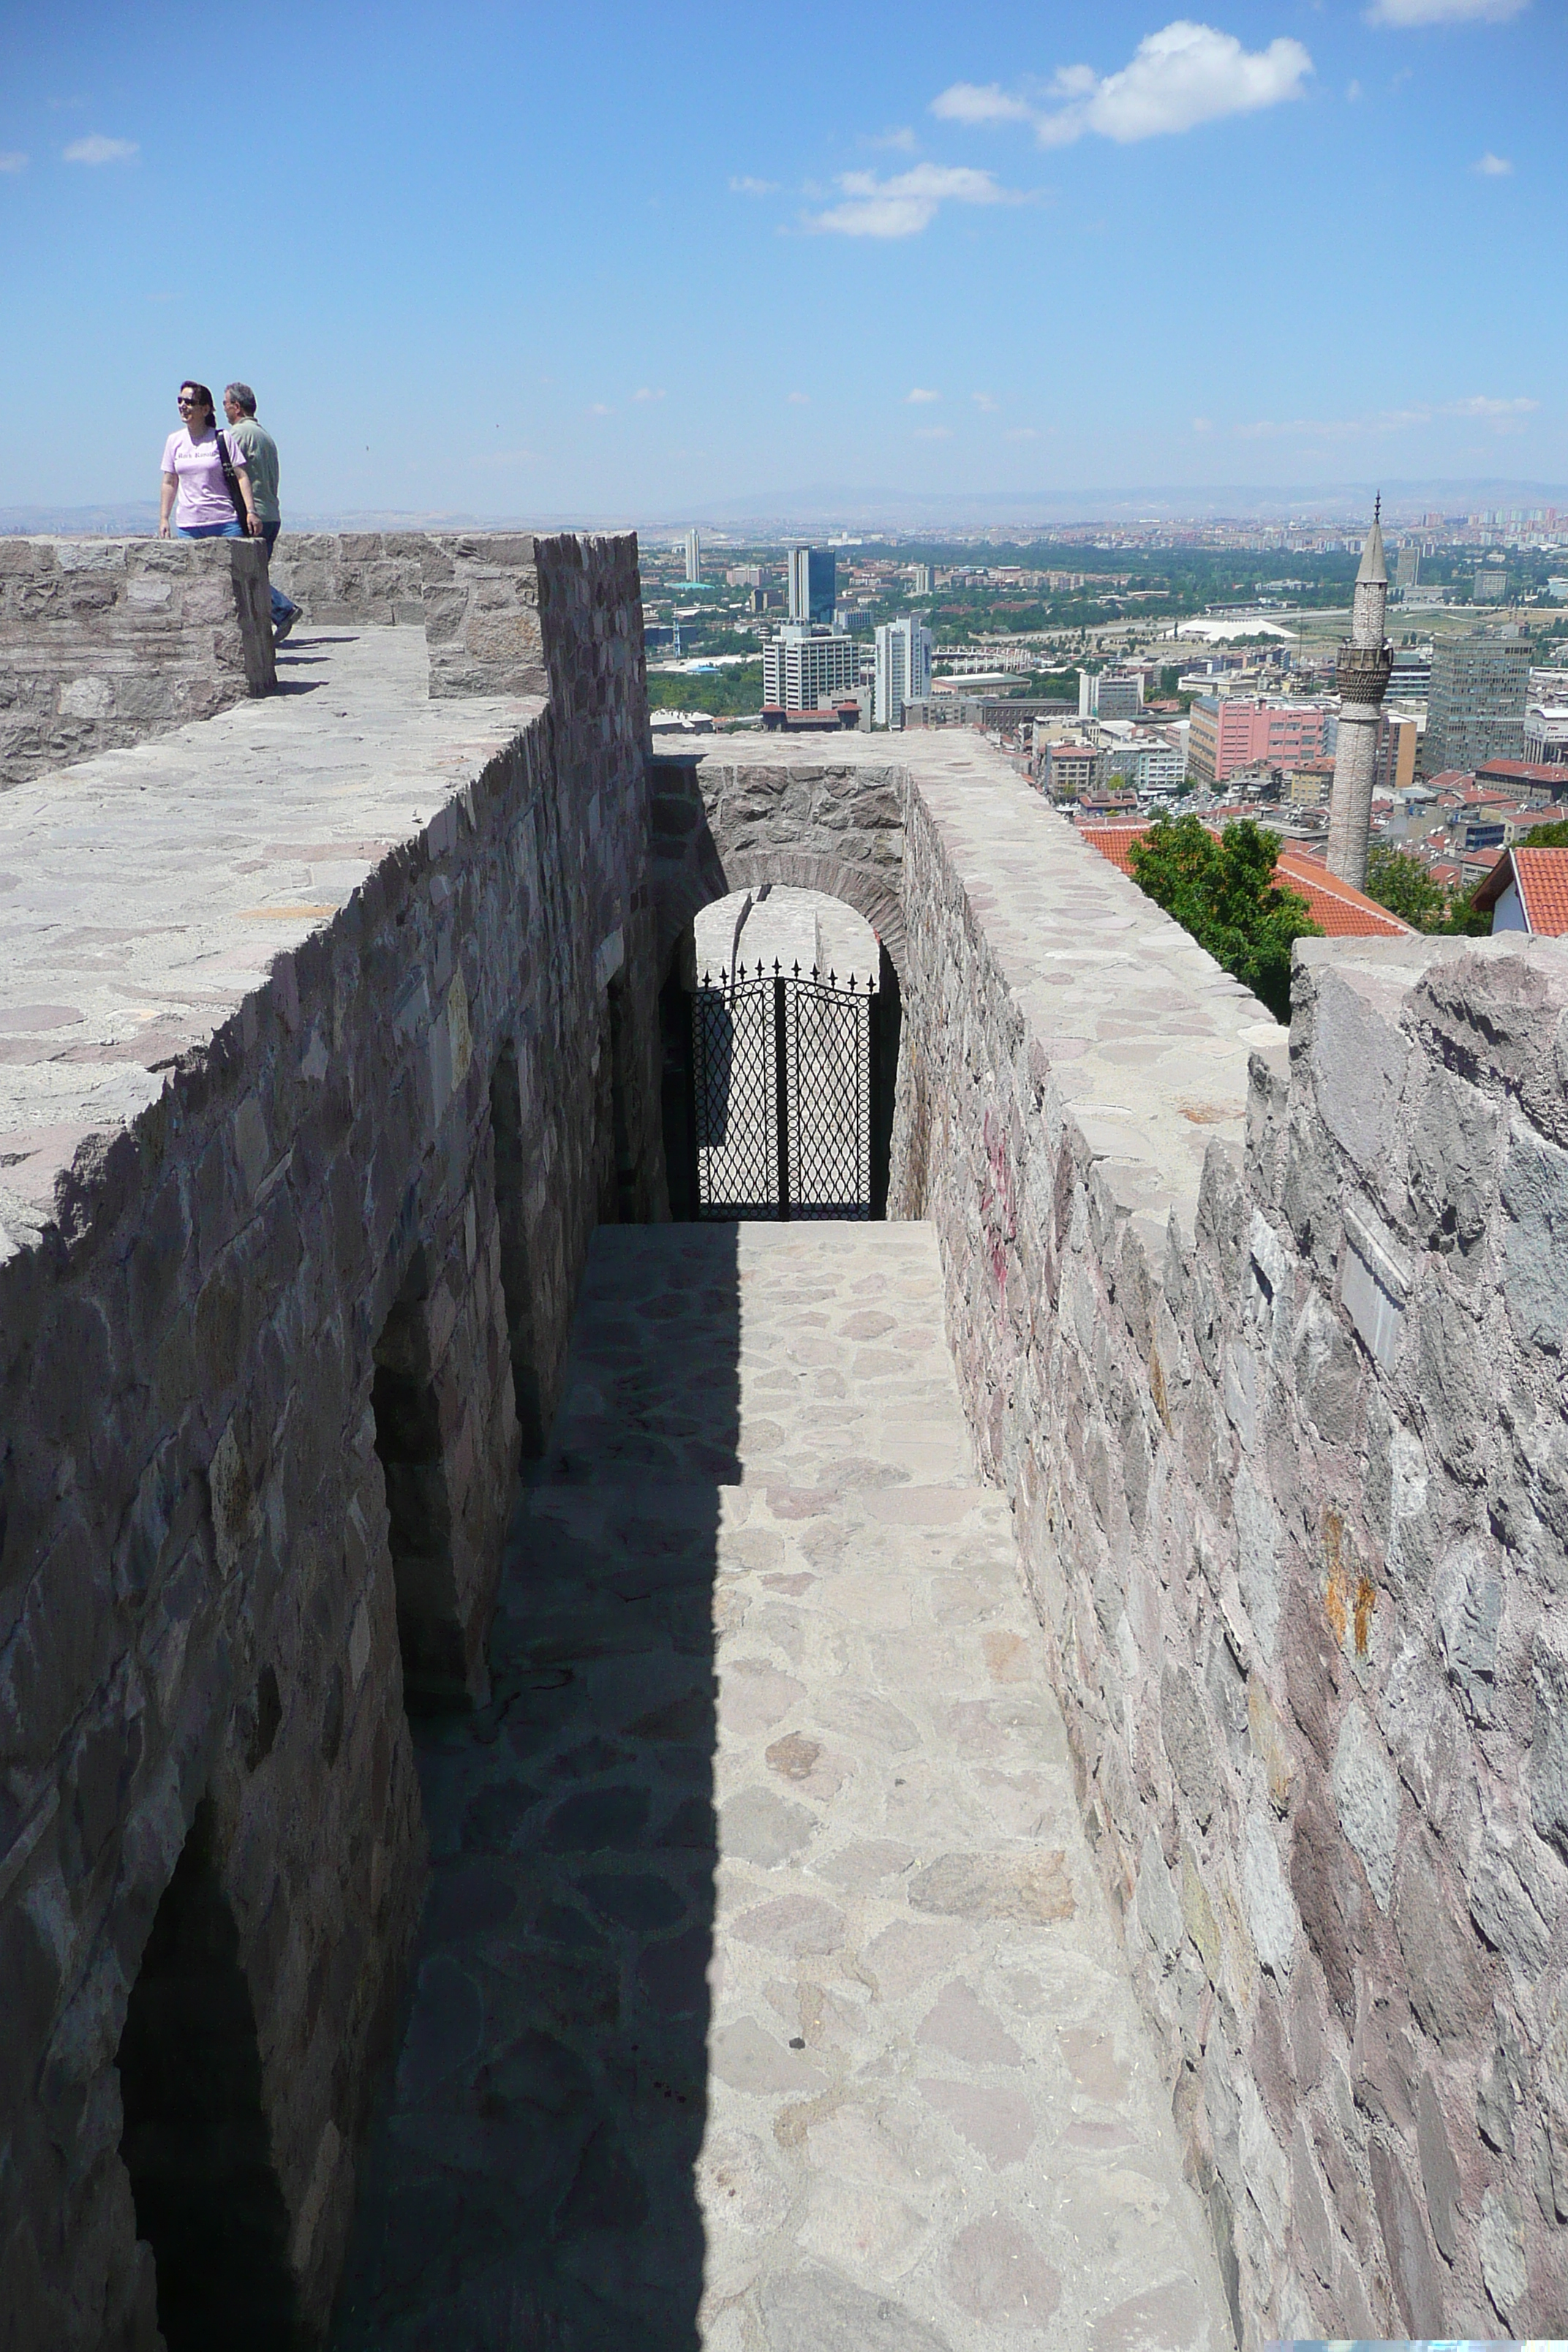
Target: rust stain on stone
(1350, 1596)
(1157, 1387)
(1335, 1594)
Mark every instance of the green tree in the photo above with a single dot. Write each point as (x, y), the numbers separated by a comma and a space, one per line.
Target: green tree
(735, 692)
(1223, 891)
(1401, 884)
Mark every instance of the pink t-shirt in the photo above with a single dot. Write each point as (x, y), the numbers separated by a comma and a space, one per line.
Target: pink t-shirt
(204, 494)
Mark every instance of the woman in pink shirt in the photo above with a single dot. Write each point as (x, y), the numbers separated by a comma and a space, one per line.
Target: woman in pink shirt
(192, 471)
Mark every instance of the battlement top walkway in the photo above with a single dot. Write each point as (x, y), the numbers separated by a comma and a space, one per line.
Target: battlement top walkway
(767, 1996)
(145, 893)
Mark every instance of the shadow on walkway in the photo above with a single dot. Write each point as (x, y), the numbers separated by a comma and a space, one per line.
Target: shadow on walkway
(530, 2181)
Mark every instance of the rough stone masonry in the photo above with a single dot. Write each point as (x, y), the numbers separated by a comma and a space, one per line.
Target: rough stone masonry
(304, 1141)
(1261, 1337)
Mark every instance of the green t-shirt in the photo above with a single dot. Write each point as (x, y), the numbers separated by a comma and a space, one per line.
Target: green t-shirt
(261, 458)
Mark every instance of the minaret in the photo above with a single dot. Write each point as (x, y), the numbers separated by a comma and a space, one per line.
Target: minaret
(1361, 675)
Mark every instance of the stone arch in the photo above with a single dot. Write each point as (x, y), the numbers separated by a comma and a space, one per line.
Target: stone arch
(697, 857)
(746, 869)
(196, 2141)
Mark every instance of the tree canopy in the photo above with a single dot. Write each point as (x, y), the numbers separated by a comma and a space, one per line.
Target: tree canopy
(1222, 889)
(1401, 884)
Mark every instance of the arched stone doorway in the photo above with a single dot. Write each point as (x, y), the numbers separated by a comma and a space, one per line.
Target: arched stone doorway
(782, 1021)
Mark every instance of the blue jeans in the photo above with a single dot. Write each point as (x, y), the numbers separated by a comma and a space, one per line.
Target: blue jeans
(282, 605)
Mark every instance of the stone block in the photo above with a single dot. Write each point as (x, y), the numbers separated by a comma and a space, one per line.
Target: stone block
(1549, 1738)
(1417, 2274)
(1366, 1793)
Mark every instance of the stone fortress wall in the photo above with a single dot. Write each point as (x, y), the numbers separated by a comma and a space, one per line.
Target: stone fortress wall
(1267, 1358)
(263, 1358)
(1271, 1363)
(104, 641)
(1287, 1457)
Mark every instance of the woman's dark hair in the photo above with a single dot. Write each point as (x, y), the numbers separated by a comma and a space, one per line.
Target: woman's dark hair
(199, 392)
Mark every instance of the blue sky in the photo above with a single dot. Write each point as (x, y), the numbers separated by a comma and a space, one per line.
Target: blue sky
(614, 260)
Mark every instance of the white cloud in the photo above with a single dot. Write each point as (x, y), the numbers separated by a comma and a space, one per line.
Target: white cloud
(934, 433)
(908, 202)
(982, 400)
(902, 140)
(1203, 425)
(1178, 77)
(968, 101)
(646, 391)
(13, 161)
(1503, 415)
(1333, 429)
(1354, 91)
(1022, 433)
(1403, 13)
(600, 408)
(746, 186)
(99, 150)
(1493, 167)
(916, 398)
(800, 400)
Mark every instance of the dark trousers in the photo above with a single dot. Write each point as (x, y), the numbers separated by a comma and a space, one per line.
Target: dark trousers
(282, 605)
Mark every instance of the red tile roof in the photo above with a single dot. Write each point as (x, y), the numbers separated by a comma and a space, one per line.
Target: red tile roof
(1340, 911)
(1542, 878)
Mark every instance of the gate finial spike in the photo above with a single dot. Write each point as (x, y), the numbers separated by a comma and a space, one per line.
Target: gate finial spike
(832, 977)
(798, 967)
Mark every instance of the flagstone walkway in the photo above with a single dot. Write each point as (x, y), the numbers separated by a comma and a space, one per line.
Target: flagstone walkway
(766, 1999)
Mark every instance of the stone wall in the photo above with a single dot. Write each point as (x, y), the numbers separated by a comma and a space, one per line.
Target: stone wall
(257, 1370)
(104, 641)
(1290, 1479)
(353, 579)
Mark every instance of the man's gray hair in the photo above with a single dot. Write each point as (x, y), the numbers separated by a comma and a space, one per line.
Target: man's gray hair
(242, 396)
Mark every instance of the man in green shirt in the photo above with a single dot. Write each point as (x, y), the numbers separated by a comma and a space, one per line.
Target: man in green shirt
(262, 458)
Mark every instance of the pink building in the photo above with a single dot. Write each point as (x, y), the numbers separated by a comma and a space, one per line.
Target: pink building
(1245, 731)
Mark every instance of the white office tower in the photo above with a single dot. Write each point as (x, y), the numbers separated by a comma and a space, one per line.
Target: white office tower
(902, 671)
(693, 556)
(1361, 675)
(809, 669)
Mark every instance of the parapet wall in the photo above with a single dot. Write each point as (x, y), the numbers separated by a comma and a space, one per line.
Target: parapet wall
(259, 1349)
(105, 642)
(353, 579)
(1287, 1450)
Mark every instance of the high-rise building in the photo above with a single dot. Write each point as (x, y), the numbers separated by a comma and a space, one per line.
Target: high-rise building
(812, 586)
(1492, 585)
(1362, 674)
(693, 557)
(1109, 694)
(902, 671)
(1475, 707)
(1407, 566)
(1245, 730)
(925, 579)
(809, 669)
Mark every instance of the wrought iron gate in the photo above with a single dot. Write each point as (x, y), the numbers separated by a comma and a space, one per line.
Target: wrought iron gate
(784, 1095)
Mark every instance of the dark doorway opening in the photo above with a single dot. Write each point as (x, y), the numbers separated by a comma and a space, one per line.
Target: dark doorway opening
(516, 1257)
(626, 1172)
(410, 1442)
(196, 2141)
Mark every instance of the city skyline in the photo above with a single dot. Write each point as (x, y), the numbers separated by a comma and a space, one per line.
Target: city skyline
(680, 292)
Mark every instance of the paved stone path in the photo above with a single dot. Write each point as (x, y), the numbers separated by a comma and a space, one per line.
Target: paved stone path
(766, 1999)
